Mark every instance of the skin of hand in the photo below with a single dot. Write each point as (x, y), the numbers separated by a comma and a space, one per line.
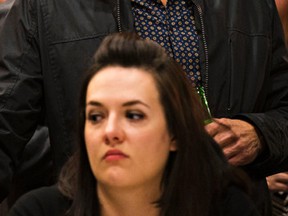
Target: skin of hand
(237, 138)
(278, 182)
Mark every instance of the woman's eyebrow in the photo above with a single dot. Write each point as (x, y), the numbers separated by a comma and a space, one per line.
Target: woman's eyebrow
(134, 102)
(94, 103)
(129, 103)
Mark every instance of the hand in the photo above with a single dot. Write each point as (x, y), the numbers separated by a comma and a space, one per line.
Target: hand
(237, 138)
(278, 182)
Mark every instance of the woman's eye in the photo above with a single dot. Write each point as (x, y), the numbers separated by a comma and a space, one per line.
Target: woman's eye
(95, 118)
(134, 115)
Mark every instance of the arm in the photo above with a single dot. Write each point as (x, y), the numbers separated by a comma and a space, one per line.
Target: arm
(20, 89)
(272, 125)
(258, 141)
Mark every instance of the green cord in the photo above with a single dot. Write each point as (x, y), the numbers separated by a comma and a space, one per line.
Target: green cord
(201, 93)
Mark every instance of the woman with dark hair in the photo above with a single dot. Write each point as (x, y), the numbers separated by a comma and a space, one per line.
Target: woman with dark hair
(143, 149)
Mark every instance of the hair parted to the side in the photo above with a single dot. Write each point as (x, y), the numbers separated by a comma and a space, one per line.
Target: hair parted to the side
(194, 175)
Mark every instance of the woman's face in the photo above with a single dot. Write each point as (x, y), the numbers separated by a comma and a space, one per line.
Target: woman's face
(125, 129)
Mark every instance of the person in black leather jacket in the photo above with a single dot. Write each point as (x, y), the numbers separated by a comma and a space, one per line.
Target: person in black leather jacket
(45, 45)
(34, 167)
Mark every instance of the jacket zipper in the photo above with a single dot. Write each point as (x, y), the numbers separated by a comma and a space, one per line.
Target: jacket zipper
(199, 9)
(118, 16)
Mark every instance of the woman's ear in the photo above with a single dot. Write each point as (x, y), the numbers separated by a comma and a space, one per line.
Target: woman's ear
(173, 144)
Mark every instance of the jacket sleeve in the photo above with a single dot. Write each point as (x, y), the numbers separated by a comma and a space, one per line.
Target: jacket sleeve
(20, 86)
(272, 125)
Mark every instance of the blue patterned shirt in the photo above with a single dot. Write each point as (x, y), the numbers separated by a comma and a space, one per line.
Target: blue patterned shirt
(173, 27)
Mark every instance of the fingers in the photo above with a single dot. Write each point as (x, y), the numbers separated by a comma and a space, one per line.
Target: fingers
(238, 140)
(237, 159)
(217, 126)
(212, 128)
(278, 187)
(242, 153)
(279, 177)
(278, 182)
(222, 134)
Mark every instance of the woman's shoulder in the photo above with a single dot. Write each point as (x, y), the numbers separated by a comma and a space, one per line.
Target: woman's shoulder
(238, 203)
(41, 202)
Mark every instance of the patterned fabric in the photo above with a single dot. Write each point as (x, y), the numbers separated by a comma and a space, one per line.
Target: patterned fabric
(173, 27)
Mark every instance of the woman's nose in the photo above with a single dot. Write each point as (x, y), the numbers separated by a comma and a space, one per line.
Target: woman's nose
(114, 133)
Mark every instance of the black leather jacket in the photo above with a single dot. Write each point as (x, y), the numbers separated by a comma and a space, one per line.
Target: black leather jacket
(45, 45)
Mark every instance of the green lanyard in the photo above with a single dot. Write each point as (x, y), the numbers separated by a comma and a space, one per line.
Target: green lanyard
(201, 93)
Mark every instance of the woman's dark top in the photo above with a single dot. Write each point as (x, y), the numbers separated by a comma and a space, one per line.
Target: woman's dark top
(48, 201)
(45, 201)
